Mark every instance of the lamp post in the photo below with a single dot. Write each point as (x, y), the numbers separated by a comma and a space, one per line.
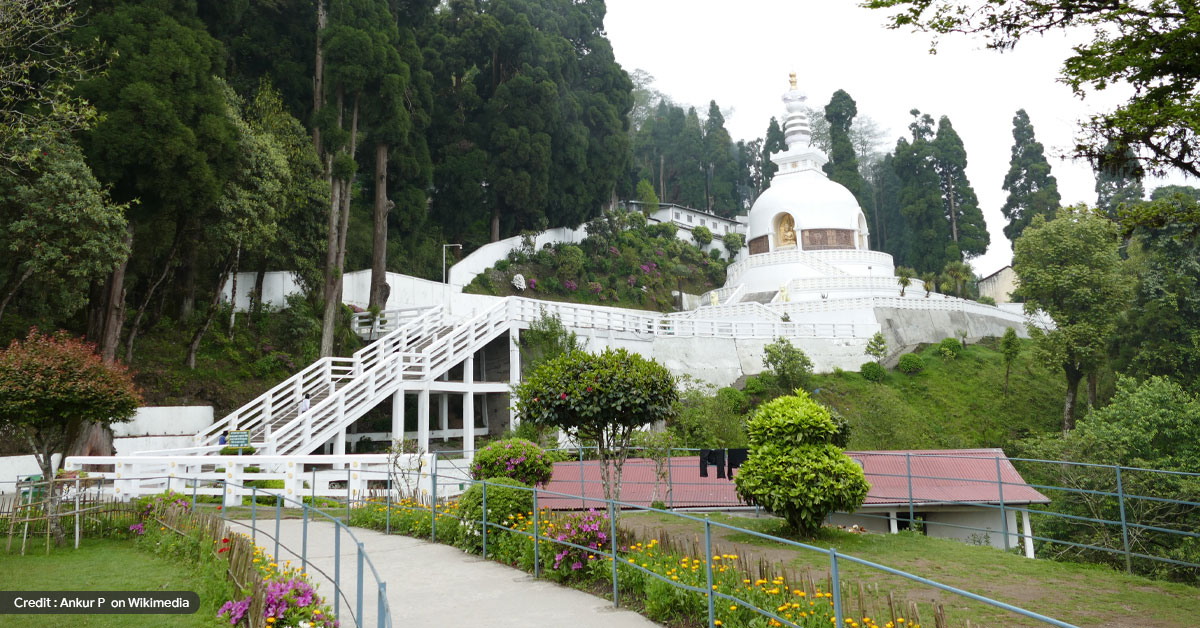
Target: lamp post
(444, 247)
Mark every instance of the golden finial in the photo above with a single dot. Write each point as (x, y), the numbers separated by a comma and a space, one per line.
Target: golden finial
(792, 79)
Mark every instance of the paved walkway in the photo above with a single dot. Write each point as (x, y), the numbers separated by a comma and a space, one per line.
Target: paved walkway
(430, 584)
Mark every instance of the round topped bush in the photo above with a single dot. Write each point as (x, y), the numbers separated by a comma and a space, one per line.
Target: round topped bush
(949, 348)
(505, 497)
(795, 470)
(515, 458)
(911, 363)
(872, 372)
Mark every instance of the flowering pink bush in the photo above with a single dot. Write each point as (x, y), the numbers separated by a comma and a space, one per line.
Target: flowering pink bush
(514, 458)
(587, 529)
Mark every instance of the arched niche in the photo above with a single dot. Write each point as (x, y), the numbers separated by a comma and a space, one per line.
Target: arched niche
(785, 231)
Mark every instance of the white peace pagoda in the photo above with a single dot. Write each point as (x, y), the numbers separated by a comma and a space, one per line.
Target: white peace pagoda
(806, 235)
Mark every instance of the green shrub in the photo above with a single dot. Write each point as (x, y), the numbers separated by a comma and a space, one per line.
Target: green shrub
(791, 365)
(987, 300)
(503, 503)
(233, 451)
(872, 372)
(514, 458)
(702, 235)
(949, 348)
(795, 470)
(911, 363)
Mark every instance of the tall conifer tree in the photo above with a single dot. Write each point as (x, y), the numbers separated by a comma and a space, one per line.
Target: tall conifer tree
(968, 232)
(1032, 190)
(843, 162)
(774, 142)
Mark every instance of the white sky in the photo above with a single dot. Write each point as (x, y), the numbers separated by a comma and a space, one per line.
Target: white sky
(740, 54)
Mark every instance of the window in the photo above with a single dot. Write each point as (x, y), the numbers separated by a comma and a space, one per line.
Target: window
(689, 217)
(676, 215)
(701, 222)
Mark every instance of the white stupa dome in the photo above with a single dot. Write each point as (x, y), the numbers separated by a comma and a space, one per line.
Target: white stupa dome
(803, 209)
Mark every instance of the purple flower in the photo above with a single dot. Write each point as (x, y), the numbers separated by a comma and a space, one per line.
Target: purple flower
(236, 609)
(576, 566)
(139, 528)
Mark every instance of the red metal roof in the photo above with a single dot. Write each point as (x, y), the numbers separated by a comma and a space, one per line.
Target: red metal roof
(938, 477)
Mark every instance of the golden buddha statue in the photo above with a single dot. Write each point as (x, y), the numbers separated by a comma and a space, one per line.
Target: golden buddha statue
(787, 231)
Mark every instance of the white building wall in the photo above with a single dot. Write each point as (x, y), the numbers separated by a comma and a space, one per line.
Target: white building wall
(165, 421)
(12, 467)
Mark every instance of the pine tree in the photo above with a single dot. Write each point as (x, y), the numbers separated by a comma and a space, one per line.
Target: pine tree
(877, 347)
(689, 156)
(968, 231)
(774, 142)
(842, 166)
(720, 166)
(926, 231)
(1032, 190)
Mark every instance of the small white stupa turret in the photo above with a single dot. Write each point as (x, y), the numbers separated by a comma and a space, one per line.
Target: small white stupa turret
(800, 153)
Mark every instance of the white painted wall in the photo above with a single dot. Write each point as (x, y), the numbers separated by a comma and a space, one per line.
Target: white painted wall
(165, 421)
(129, 445)
(12, 467)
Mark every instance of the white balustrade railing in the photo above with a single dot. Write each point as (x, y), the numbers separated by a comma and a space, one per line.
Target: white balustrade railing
(853, 256)
(813, 259)
(372, 325)
(321, 377)
(389, 372)
(302, 476)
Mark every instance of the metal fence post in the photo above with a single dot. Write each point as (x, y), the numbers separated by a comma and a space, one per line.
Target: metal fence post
(358, 617)
(388, 526)
(1124, 525)
(380, 613)
(433, 500)
(670, 485)
(712, 602)
(1003, 510)
(313, 487)
(254, 513)
(224, 498)
(837, 587)
(908, 472)
(304, 541)
(485, 519)
(337, 570)
(537, 561)
(278, 506)
(612, 530)
(582, 488)
(347, 495)
(195, 483)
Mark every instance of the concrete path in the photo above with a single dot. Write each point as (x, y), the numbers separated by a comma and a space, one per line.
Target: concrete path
(430, 584)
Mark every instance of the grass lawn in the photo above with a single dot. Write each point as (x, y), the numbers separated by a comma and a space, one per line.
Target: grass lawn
(103, 565)
(1084, 595)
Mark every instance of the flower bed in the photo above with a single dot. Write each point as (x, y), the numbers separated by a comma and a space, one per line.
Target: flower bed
(260, 591)
(668, 584)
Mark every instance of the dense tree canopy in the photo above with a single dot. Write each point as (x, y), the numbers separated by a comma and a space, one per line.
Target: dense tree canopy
(1069, 268)
(1148, 46)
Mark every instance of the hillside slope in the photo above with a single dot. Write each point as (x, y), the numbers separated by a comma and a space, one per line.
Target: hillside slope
(952, 403)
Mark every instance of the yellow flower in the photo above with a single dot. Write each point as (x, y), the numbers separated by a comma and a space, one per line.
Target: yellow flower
(733, 607)
(716, 622)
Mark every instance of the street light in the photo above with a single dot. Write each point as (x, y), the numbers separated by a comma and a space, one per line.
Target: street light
(444, 247)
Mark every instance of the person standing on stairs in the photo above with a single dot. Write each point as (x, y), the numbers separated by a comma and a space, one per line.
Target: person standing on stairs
(304, 404)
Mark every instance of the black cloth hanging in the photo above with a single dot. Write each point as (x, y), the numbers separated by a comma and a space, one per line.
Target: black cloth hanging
(715, 457)
(735, 458)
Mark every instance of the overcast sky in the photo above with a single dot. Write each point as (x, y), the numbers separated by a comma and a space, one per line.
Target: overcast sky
(740, 54)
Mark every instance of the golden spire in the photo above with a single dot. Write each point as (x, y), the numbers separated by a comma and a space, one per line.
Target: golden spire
(792, 79)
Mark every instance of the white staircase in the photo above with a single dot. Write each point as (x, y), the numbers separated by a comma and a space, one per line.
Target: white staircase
(324, 379)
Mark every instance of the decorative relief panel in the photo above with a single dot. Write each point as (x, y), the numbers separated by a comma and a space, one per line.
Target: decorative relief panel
(820, 239)
(759, 245)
